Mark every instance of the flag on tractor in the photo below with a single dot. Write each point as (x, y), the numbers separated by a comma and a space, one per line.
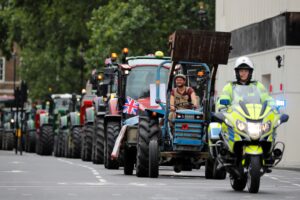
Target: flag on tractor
(131, 106)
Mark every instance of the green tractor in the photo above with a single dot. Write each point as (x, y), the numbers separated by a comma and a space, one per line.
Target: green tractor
(61, 108)
(70, 124)
(30, 130)
(7, 129)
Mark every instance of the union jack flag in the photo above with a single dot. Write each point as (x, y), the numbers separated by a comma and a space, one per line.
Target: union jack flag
(131, 106)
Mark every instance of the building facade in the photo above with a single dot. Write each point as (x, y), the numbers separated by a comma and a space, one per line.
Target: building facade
(268, 32)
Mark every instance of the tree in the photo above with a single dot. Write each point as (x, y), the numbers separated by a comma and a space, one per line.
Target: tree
(141, 25)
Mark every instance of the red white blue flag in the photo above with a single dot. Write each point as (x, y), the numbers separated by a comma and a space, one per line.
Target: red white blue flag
(131, 106)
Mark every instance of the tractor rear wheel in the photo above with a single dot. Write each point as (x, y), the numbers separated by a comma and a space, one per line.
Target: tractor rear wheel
(153, 159)
(75, 142)
(112, 132)
(87, 141)
(129, 159)
(46, 140)
(142, 156)
(99, 141)
(31, 140)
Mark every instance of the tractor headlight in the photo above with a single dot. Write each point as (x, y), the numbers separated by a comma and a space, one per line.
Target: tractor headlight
(179, 116)
(254, 130)
(199, 117)
(241, 126)
(265, 127)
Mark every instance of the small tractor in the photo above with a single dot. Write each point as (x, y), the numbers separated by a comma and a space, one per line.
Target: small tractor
(197, 55)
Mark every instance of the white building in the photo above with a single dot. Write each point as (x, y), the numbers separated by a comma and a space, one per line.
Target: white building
(263, 30)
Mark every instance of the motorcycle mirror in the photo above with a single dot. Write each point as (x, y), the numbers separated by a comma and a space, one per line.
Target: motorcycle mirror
(225, 102)
(284, 118)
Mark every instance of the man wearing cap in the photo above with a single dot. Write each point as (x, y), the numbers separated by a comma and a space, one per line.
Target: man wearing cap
(182, 97)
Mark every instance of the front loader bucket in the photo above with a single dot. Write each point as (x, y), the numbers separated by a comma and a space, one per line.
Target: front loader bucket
(200, 46)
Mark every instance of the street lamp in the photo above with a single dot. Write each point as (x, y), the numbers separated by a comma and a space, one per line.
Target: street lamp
(203, 15)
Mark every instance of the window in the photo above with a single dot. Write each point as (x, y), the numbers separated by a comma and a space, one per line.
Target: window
(2, 68)
(266, 81)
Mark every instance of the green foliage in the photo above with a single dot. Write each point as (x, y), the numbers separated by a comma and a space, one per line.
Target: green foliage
(55, 35)
(141, 25)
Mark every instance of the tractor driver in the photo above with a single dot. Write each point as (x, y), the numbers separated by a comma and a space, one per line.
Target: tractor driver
(182, 97)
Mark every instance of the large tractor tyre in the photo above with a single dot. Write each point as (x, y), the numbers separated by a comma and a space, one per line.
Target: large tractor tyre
(209, 168)
(31, 140)
(66, 150)
(87, 142)
(55, 147)
(9, 141)
(76, 142)
(254, 174)
(47, 140)
(99, 141)
(129, 160)
(1, 136)
(112, 132)
(148, 129)
(153, 159)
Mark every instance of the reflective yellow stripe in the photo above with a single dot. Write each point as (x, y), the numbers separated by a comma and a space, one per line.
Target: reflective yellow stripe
(253, 150)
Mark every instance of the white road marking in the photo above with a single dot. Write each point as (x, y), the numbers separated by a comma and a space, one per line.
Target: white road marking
(297, 185)
(138, 184)
(26, 195)
(13, 171)
(94, 171)
(274, 178)
(16, 162)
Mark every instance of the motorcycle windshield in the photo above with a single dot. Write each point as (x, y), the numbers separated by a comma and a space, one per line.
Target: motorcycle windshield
(140, 78)
(248, 94)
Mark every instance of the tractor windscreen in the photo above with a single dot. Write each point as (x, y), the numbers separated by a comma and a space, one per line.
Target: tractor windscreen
(62, 103)
(140, 78)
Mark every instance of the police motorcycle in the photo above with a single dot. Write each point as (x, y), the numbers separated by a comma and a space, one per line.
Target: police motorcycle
(242, 138)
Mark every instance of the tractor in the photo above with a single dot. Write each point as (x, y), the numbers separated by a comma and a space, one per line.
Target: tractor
(181, 142)
(131, 81)
(62, 104)
(7, 129)
(70, 123)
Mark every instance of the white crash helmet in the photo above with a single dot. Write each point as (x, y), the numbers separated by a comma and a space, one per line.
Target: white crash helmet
(243, 62)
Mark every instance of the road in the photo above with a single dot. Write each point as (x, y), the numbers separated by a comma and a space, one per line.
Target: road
(45, 177)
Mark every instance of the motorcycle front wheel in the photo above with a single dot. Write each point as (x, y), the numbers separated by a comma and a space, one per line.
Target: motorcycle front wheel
(254, 174)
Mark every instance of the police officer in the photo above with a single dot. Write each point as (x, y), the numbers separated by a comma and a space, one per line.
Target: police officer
(243, 72)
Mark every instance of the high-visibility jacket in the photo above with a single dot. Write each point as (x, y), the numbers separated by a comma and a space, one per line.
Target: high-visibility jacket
(227, 93)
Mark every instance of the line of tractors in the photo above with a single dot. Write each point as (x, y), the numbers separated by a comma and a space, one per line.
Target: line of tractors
(95, 126)
(121, 117)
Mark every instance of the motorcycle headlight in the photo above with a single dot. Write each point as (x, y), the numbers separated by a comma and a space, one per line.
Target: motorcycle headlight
(241, 126)
(254, 130)
(265, 127)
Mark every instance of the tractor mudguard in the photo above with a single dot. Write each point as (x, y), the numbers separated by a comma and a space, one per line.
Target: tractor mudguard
(253, 150)
(214, 131)
(89, 115)
(75, 119)
(63, 122)
(109, 118)
(44, 119)
(157, 112)
(100, 106)
(30, 125)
